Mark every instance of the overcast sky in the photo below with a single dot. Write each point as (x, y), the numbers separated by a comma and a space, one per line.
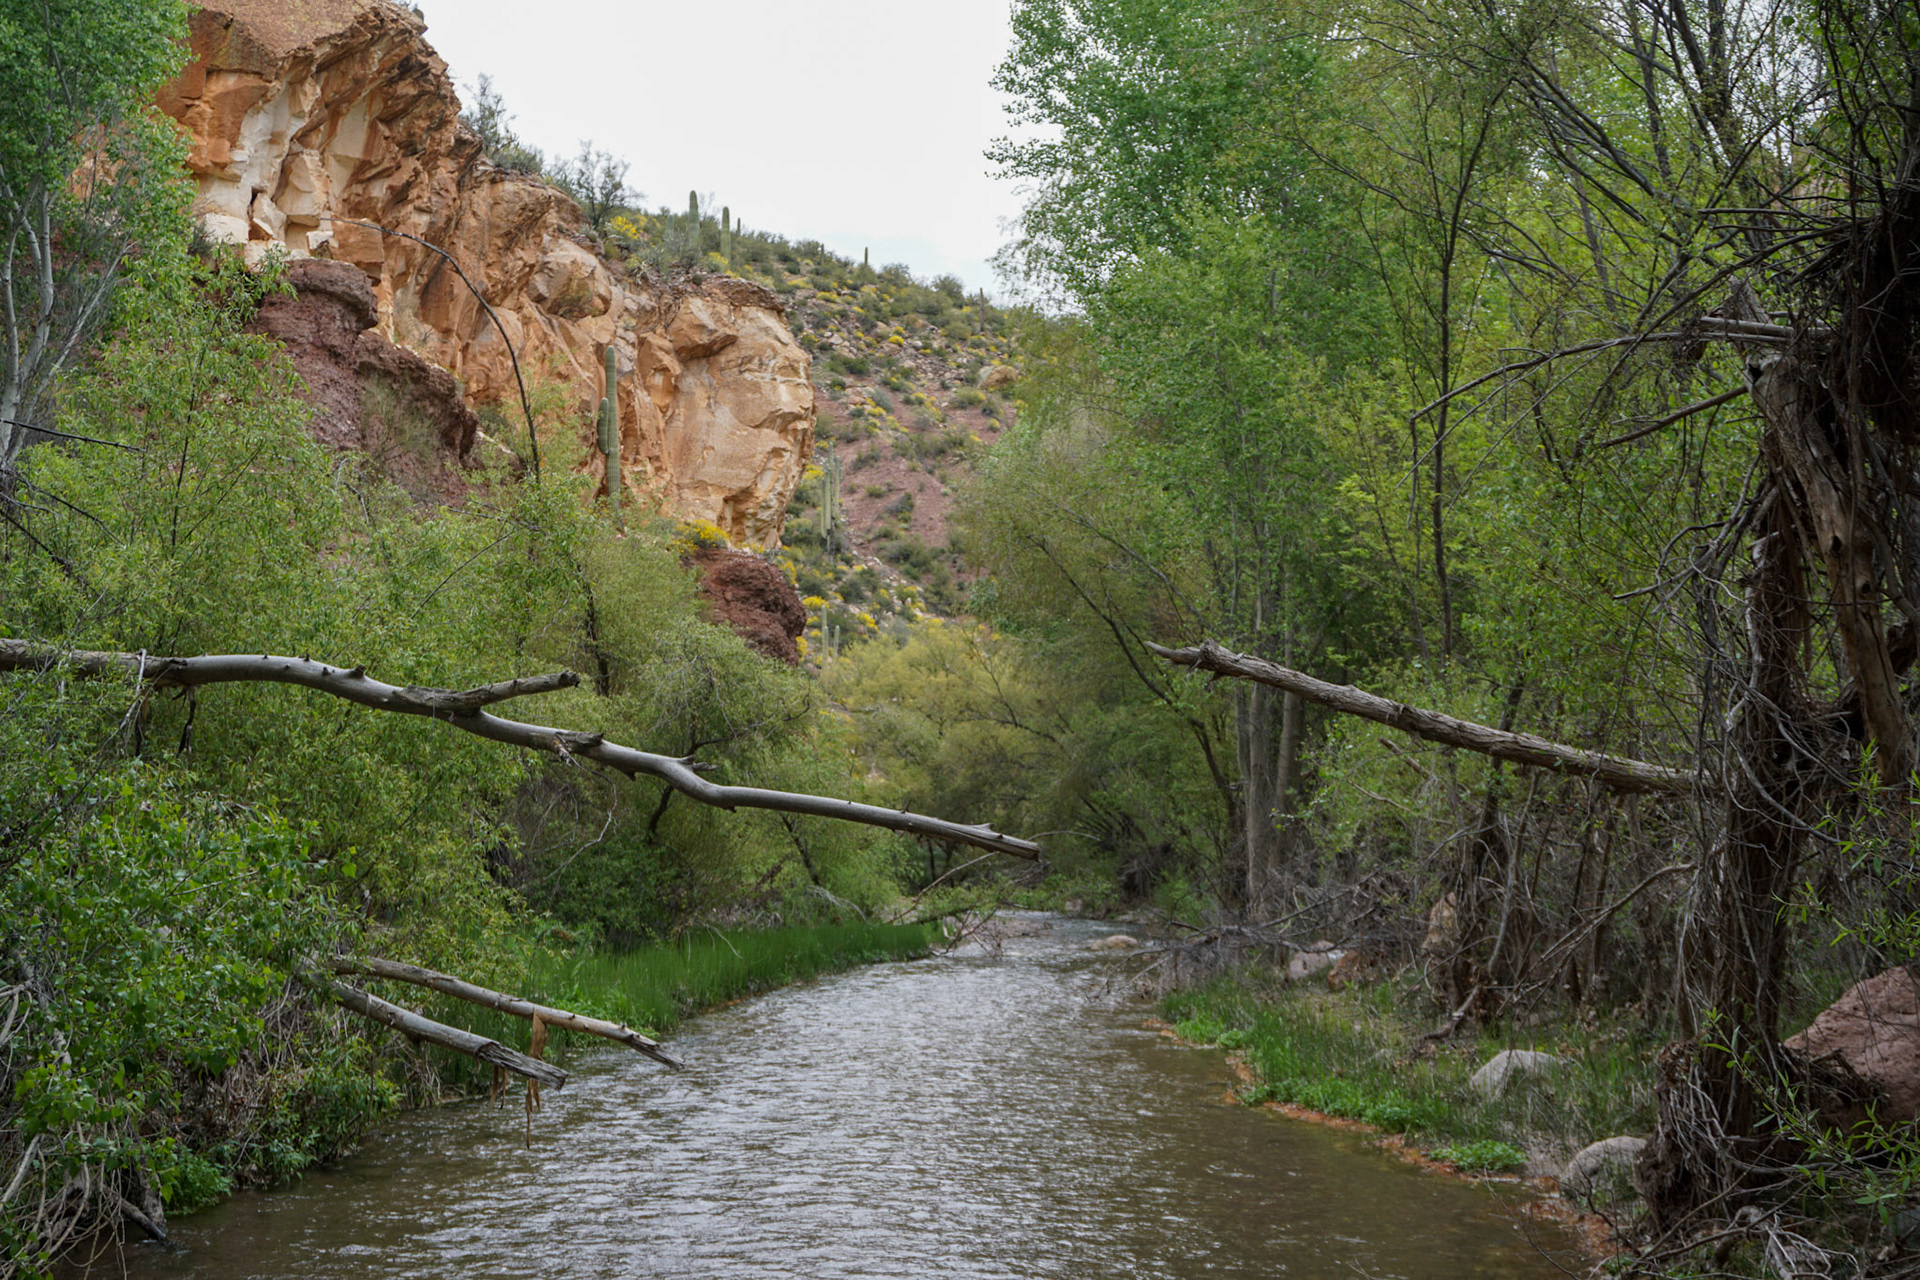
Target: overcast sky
(860, 123)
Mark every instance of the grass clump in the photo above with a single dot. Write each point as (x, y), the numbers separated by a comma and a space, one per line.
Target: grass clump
(656, 987)
(1487, 1156)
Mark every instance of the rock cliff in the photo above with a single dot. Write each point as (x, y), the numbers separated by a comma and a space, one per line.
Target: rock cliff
(310, 117)
(370, 395)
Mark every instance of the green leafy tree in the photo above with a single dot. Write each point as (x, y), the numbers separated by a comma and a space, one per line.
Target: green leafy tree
(90, 185)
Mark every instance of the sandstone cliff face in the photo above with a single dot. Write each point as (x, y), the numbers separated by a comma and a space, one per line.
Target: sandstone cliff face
(308, 116)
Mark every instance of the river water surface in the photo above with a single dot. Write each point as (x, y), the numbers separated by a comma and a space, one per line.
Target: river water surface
(985, 1115)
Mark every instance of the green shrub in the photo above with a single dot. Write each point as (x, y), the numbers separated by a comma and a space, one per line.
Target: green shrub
(1202, 1030)
(1486, 1156)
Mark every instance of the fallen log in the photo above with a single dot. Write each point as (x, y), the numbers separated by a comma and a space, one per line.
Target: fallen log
(419, 1028)
(447, 984)
(1618, 772)
(464, 710)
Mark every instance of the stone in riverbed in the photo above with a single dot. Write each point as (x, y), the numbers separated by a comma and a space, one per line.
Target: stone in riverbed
(1510, 1067)
(1114, 942)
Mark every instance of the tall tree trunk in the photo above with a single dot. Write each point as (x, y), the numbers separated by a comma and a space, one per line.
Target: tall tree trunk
(1711, 1130)
(1258, 725)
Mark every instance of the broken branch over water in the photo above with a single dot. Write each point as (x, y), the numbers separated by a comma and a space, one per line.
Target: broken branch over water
(447, 984)
(1618, 772)
(419, 1028)
(464, 709)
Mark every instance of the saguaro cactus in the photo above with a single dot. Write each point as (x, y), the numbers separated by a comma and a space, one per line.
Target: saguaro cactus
(830, 501)
(610, 431)
(726, 233)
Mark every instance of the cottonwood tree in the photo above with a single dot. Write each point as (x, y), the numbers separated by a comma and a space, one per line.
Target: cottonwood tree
(1175, 205)
(89, 178)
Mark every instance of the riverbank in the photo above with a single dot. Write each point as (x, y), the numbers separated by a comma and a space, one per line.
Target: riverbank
(655, 988)
(996, 1113)
(1358, 1058)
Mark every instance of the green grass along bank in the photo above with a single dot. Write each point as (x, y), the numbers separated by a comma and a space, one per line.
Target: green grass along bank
(1359, 1054)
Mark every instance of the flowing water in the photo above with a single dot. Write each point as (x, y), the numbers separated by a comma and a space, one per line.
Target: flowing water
(992, 1115)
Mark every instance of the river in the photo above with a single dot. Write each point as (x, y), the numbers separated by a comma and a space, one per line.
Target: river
(982, 1115)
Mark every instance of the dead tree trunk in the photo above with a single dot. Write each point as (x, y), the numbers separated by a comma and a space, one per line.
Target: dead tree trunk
(1711, 1134)
(460, 989)
(415, 1027)
(1259, 798)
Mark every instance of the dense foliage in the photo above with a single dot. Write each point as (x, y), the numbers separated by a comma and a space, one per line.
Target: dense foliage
(169, 863)
(1542, 365)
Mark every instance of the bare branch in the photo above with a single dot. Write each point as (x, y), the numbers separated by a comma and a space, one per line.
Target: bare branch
(447, 984)
(461, 709)
(1677, 415)
(1618, 772)
(419, 1028)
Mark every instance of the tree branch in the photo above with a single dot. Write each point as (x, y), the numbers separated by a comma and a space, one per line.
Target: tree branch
(1714, 402)
(461, 709)
(447, 984)
(1522, 748)
(419, 1028)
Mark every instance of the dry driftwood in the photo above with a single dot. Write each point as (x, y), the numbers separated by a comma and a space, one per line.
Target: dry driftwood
(1617, 772)
(419, 1028)
(465, 709)
(538, 1013)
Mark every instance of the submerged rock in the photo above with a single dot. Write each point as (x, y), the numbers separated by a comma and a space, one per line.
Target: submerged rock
(1510, 1067)
(1114, 942)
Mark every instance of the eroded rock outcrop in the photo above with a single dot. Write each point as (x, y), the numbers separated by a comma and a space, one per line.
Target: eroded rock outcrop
(371, 396)
(754, 599)
(311, 119)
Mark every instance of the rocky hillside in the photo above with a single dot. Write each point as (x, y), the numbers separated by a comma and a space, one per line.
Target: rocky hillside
(911, 380)
(331, 129)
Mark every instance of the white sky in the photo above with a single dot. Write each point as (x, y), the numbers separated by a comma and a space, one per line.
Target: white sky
(859, 123)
